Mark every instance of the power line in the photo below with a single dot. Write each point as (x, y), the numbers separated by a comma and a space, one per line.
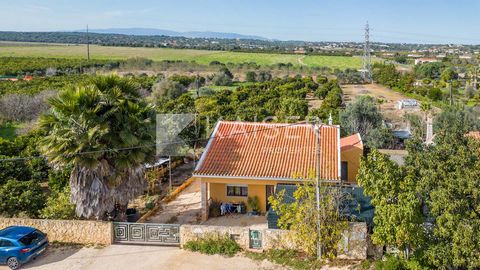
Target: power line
(152, 145)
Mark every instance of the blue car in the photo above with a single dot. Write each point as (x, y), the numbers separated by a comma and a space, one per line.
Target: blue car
(20, 244)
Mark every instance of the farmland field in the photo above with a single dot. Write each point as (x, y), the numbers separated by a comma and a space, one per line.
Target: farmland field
(159, 54)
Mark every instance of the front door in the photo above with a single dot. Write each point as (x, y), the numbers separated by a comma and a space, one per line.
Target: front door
(269, 190)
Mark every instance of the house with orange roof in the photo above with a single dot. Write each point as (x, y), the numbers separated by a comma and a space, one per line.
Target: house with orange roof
(247, 159)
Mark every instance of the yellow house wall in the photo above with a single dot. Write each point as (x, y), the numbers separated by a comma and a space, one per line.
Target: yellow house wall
(352, 157)
(218, 190)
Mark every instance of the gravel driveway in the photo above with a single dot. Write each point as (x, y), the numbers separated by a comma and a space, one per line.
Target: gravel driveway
(118, 257)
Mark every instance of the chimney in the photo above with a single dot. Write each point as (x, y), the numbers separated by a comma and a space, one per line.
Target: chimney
(429, 138)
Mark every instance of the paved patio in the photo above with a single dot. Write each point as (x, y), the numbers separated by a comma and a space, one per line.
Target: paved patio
(184, 209)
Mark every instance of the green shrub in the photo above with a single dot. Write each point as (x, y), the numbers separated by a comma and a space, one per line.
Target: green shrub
(21, 197)
(254, 203)
(214, 244)
(59, 206)
(396, 263)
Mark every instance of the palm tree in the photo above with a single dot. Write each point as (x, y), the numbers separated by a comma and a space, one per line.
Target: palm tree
(106, 132)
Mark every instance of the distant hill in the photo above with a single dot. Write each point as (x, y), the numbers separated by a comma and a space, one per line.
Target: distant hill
(163, 32)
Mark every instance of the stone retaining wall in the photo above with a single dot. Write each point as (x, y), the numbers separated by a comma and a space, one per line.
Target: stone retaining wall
(68, 231)
(352, 246)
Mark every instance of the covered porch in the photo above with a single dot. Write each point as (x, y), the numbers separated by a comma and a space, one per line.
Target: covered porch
(232, 196)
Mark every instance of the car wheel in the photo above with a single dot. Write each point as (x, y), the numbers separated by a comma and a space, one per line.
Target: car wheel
(13, 263)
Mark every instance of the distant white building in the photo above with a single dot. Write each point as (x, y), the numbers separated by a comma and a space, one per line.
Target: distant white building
(413, 55)
(425, 60)
(468, 57)
(407, 104)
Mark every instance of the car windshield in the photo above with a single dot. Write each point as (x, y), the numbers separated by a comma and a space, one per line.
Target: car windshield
(32, 238)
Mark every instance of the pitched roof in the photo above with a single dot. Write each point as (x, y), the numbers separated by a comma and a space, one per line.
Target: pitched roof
(270, 151)
(352, 141)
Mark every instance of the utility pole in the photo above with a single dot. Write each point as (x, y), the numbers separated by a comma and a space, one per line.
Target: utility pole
(88, 45)
(197, 85)
(318, 184)
(367, 57)
(475, 74)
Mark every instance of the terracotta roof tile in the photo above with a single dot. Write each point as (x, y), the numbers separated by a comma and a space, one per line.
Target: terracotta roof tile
(269, 150)
(351, 141)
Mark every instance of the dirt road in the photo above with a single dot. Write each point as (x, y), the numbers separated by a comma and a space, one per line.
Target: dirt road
(119, 257)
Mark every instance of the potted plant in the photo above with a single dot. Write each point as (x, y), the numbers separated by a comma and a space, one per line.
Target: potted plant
(254, 205)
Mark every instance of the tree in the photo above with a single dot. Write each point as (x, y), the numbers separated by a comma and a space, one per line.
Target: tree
(435, 94)
(363, 116)
(12, 168)
(21, 197)
(106, 133)
(398, 218)
(301, 216)
(222, 79)
(448, 75)
(429, 206)
(169, 89)
(386, 75)
(292, 109)
(58, 206)
(251, 76)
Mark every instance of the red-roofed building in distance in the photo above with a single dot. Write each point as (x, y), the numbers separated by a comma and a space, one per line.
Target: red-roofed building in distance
(247, 159)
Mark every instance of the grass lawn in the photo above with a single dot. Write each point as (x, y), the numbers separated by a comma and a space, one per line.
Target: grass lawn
(159, 54)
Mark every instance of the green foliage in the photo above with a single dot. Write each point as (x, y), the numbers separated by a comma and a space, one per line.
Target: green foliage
(326, 87)
(17, 197)
(39, 65)
(398, 218)
(430, 71)
(438, 186)
(214, 244)
(38, 85)
(58, 206)
(363, 116)
(292, 109)
(186, 81)
(386, 75)
(169, 89)
(58, 178)
(109, 114)
(448, 75)
(435, 94)
(253, 203)
(14, 169)
(223, 78)
(396, 263)
(301, 217)
(251, 76)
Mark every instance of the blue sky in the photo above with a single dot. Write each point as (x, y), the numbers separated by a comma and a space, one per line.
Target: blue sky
(425, 21)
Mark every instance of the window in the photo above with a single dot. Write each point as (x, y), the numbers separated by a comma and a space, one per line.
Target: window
(344, 175)
(239, 191)
(5, 243)
(33, 237)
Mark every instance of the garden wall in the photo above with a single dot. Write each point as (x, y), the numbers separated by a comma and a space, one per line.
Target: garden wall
(352, 246)
(68, 231)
